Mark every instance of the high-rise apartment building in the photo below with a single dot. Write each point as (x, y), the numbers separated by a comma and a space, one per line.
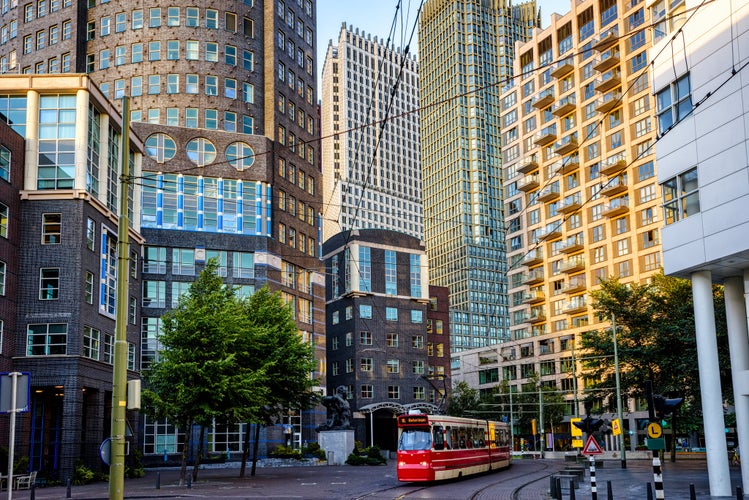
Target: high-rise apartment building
(466, 51)
(582, 202)
(370, 130)
(223, 99)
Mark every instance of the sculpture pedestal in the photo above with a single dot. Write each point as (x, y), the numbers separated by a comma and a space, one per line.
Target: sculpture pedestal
(337, 444)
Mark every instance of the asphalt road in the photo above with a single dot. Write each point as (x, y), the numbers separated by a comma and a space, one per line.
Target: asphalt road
(525, 480)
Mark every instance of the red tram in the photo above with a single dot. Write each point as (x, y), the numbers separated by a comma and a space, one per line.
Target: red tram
(436, 447)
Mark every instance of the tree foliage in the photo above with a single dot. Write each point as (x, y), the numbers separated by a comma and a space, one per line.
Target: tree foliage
(226, 359)
(655, 338)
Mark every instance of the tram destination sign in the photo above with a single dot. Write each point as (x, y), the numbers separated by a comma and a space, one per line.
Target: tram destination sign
(413, 419)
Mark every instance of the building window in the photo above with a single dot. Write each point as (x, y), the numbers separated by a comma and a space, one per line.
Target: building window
(681, 196)
(416, 316)
(366, 364)
(365, 269)
(89, 291)
(674, 103)
(393, 366)
(419, 393)
(91, 343)
(417, 341)
(417, 367)
(367, 391)
(365, 311)
(46, 339)
(365, 338)
(394, 392)
(49, 283)
(391, 339)
(391, 314)
(51, 229)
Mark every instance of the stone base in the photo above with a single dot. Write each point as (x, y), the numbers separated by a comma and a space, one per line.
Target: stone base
(338, 445)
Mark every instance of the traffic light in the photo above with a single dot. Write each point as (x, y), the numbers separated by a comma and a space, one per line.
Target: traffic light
(666, 406)
(589, 425)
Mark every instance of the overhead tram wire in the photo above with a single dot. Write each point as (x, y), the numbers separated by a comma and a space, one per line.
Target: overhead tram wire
(443, 101)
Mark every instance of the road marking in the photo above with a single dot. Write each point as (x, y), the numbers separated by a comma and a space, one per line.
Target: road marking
(339, 483)
(308, 484)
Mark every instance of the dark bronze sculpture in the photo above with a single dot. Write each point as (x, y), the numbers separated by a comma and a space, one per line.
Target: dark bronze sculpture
(339, 411)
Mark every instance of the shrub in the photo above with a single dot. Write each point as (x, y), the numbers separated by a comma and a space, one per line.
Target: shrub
(314, 450)
(82, 474)
(285, 452)
(135, 468)
(368, 456)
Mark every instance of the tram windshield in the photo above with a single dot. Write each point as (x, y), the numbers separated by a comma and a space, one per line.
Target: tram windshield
(415, 439)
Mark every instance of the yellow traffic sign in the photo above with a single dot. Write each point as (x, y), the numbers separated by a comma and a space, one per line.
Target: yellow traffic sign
(574, 430)
(577, 443)
(654, 430)
(616, 427)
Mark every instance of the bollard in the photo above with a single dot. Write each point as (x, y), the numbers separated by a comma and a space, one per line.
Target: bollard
(609, 490)
(69, 493)
(158, 480)
(593, 487)
(650, 492)
(558, 486)
(572, 490)
(739, 493)
(189, 481)
(33, 491)
(692, 493)
(658, 477)
(554, 487)
(331, 456)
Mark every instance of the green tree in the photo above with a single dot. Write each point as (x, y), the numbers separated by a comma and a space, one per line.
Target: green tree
(464, 401)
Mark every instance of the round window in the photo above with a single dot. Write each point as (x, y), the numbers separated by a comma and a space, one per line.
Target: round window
(240, 155)
(201, 151)
(161, 147)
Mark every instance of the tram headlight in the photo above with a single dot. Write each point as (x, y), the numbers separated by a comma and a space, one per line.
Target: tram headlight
(401, 463)
(423, 463)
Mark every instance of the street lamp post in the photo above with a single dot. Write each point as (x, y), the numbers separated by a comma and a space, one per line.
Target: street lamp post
(512, 424)
(618, 395)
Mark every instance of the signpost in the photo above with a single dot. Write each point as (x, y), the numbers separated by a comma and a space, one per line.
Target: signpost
(15, 392)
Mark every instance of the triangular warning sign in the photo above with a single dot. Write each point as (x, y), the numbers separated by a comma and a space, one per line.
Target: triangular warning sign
(592, 447)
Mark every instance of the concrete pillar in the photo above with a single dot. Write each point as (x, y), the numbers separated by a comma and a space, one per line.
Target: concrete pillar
(712, 399)
(738, 342)
(81, 139)
(32, 141)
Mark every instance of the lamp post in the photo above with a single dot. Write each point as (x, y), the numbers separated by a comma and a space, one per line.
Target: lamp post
(618, 395)
(512, 424)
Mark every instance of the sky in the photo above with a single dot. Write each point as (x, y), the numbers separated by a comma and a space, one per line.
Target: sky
(376, 18)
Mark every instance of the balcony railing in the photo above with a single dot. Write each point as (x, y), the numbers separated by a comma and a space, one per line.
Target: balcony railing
(565, 105)
(576, 305)
(534, 297)
(544, 98)
(574, 264)
(617, 207)
(570, 203)
(537, 316)
(609, 101)
(546, 136)
(527, 165)
(551, 231)
(575, 284)
(613, 164)
(606, 39)
(567, 165)
(535, 256)
(608, 59)
(615, 186)
(572, 244)
(563, 67)
(528, 183)
(549, 193)
(535, 275)
(567, 144)
(610, 79)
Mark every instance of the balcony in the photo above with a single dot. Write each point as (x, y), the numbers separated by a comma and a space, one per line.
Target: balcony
(609, 101)
(575, 284)
(574, 264)
(570, 204)
(546, 136)
(534, 297)
(528, 183)
(567, 165)
(535, 275)
(527, 165)
(549, 193)
(537, 316)
(567, 145)
(606, 39)
(563, 67)
(614, 186)
(610, 79)
(550, 232)
(543, 99)
(608, 60)
(576, 305)
(565, 105)
(613, 164)
(618, 206)
(535, 256)
(572, 244)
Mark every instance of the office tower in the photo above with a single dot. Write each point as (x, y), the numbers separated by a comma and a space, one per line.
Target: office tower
(388, 342)
(702, 169)
(370, 130)
(582, 200)
(223, 100)
(466, 49)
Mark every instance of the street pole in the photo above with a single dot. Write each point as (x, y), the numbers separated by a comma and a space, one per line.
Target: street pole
(574, 379)
(119, 368)
(618, 395)
(512, 425)
(541, 417)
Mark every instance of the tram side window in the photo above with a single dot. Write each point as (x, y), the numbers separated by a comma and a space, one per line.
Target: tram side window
(438, 438)
(449, 438)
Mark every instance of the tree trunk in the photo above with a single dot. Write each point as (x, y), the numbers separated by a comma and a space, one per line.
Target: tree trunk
(185, 447)
(254, 449)
(245, 450)
(198, 454)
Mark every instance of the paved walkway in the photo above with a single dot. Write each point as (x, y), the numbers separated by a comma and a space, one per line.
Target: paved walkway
(339, 482)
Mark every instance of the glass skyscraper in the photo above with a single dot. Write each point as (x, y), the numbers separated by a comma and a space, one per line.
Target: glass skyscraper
(466, 54)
